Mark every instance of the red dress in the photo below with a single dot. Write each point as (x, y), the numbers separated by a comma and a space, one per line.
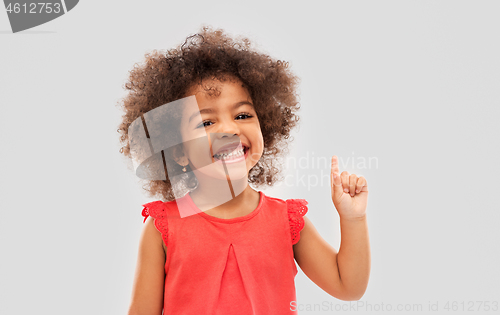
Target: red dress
(241, 266)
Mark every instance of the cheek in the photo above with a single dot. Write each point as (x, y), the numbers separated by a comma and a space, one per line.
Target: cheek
(198, 152)
(194, 140)
(260, 137)
(258, 143)
(261, 141)
(190, 134)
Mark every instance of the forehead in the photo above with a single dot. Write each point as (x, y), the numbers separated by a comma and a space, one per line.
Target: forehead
(214, 96)
(218, 89)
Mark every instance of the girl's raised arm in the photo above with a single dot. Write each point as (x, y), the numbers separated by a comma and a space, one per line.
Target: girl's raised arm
(147, 292)
(343, 274)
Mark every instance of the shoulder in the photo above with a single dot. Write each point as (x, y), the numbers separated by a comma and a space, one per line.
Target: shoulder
(293, 206)
(295, 211)
(289, 202)
(273, 199)
(154, 209)
(155, 217)
(150, 230)
(158, 208)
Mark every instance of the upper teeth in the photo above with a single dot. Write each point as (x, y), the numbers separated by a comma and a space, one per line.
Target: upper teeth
(229, 154)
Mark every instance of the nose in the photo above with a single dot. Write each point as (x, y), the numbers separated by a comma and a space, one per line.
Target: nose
(227, 129)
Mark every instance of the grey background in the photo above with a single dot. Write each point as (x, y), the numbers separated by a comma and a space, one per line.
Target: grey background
(413, 84)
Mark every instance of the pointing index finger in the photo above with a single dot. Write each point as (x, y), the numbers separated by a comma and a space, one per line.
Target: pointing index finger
(335, 165)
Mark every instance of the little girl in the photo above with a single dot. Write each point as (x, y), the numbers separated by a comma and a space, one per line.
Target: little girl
(202, 122)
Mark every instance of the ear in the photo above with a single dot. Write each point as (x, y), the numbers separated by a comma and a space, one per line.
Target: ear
(179, 155)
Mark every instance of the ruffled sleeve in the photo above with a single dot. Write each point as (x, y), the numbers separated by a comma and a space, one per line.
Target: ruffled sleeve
(297, 208)
(156, 210)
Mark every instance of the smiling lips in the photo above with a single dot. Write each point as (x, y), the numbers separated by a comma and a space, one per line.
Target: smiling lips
(231, 152)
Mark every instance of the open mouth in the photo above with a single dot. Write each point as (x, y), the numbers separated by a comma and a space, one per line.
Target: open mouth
(234, 154)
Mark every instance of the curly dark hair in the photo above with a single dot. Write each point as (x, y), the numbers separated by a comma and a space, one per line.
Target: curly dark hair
(211, 54)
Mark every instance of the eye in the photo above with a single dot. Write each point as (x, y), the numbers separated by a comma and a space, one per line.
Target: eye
(203, 124)
(247, 115)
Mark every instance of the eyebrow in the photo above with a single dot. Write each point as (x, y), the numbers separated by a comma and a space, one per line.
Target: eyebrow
(211, 110)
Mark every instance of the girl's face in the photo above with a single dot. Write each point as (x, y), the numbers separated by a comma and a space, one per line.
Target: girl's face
(217, 125)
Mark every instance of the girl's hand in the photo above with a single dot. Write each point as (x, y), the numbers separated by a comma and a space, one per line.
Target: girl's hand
(349, 192)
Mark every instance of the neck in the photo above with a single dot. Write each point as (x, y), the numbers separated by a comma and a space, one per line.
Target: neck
(215, 193)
